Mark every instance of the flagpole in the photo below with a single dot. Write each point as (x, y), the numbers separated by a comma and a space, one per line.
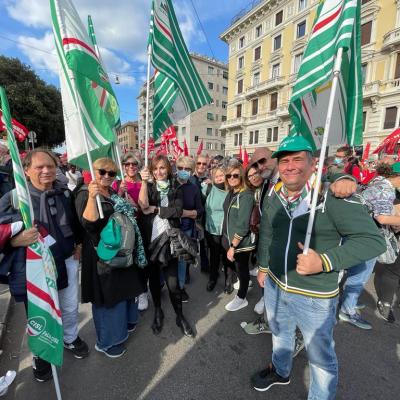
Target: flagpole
(146, 140)
(336, 73)
(56, 382)
(85, 141)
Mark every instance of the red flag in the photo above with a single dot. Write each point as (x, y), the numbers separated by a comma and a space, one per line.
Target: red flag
(200, 148)
(150, 147)
(185, 148)
(240, 153)
(162, 150)
(389, 143)
(365, 155)
(169, 134)
(176, 149)
(20, 131)
(245, 158)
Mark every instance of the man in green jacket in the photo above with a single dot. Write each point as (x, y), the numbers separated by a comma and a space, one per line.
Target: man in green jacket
(302, 290)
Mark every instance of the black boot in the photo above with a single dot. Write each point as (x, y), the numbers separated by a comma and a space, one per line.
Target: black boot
(176, 300)
(158, 321)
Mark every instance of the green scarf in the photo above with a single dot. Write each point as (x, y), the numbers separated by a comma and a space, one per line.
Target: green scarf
(163, 188)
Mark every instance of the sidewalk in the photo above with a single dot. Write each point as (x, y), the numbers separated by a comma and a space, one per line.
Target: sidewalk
(5, 301)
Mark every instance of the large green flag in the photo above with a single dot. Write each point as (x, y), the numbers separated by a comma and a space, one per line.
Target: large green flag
(45, 331)
(178, 88)
(337, 25)
(81, 69)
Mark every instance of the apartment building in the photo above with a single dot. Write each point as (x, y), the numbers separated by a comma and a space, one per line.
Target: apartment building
(205, 123)
(266, 46)
(127, 136)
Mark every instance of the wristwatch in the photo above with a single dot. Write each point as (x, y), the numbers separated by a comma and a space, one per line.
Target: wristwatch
(233, 246)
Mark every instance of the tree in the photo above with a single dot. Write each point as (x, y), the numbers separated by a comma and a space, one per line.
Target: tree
(33, 102)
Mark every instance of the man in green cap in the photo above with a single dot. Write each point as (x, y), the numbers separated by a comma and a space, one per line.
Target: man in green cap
(302, 290)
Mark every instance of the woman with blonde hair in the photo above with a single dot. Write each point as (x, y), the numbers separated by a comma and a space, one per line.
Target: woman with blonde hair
(238, 240)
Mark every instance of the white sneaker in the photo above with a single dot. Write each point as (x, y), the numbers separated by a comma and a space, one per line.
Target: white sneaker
(236, 304)
(236, 285)
(143, 302)
(6, 381)
(254, 271)
(259, 307)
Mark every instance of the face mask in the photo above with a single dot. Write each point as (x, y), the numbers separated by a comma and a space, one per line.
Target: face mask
(338, 161)
(220, 186)
(183, 175)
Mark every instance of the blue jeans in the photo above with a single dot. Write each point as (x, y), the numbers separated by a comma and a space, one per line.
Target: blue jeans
(316, 319)
(182, 264)
(112, 323)
(357, 277)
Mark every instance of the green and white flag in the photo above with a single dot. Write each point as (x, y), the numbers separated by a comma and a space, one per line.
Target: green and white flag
(45, 331)
(337, 25)
(80, 68)
(178, 88)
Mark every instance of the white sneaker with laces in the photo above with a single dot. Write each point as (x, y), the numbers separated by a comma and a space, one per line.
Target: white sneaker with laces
(259, 307)
(236, 304)
(6, 381)
(143, 302)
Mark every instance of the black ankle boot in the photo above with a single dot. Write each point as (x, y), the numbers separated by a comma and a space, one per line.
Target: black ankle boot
(158, 321)
(184, 325)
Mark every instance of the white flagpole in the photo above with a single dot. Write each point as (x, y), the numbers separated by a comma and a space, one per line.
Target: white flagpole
(146, 139)
(336, 73)
(56, 382)
(85, 140)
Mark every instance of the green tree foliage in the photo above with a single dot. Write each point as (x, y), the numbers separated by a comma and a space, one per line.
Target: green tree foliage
(33, 102)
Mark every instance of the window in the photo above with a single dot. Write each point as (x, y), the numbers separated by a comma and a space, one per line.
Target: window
(258, 31)
(236, 139)
(183, 130)
(301, 29)
(302, 4)
(223, 118)
(240, 138)
(273, 101)
(390, 118)
(240, 86)
(251, 137)
(210, 116)
(241, 42)
(269, 135)
(224, 90)
(238, 111)
(241, 62)
(224, 105)
(364, 120)
(210, 70)
(278, 18)
(209, 131)
(366, 33)
(209, 146)
(397, 68)
(363, 72)
(297, 62)
(196, 138)
(277, 42)
(256, 78)
(255, 137)
(272, 134)
(275, 71)
(225, 74)
(275, 135)
(210, 86)
(257, 53)
(254, 107)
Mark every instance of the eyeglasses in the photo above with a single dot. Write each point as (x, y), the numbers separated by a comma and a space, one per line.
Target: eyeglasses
(253, 175)
(131, 164)
(262, 161)
(183, 168)
(103, 172)
(202, 163)
(234, 176)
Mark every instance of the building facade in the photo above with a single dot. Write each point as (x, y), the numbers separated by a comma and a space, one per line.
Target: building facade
(266, 46)
(127, 136)
(205, 123)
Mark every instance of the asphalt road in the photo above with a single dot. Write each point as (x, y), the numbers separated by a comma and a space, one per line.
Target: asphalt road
(216, 365)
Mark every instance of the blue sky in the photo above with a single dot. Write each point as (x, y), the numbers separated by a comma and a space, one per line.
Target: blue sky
(121, 28)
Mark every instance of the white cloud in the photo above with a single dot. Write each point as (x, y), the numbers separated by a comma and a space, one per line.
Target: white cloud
(35, 13)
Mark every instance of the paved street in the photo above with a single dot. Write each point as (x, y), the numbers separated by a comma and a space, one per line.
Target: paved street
(216, 365)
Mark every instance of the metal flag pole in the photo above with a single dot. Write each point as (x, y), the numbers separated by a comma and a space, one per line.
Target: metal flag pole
(56, 382)
(146, 139)
(85, 140)
(336, 73)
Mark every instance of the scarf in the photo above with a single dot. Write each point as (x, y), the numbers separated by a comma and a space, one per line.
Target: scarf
(163, 188)
(124, 207)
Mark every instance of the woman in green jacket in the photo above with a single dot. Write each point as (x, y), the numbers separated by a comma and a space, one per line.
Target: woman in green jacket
(238, 240)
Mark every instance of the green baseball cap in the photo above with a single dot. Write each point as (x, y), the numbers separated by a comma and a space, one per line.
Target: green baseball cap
(110, 240)
(396, 167)
(293, 144)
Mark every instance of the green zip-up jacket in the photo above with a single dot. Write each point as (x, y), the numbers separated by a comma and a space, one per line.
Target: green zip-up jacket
(237, 220)
(335, 220)
(214, 209)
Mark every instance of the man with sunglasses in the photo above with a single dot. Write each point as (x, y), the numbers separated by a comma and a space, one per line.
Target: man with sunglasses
(56, 220)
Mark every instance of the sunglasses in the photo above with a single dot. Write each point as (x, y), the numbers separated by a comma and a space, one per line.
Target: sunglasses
(131, 164)
(253, 175)
(183, 168)
(262, 161)
(103, 172)
(234, 176)
(202, 163)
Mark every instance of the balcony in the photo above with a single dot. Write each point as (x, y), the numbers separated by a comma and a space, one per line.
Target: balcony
(233, 123)
(283, 110)
(391, 39)
(265, 86)
(371, 89)
(391, 84)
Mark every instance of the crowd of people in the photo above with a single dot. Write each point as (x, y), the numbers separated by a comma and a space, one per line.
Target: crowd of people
(163, 219)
